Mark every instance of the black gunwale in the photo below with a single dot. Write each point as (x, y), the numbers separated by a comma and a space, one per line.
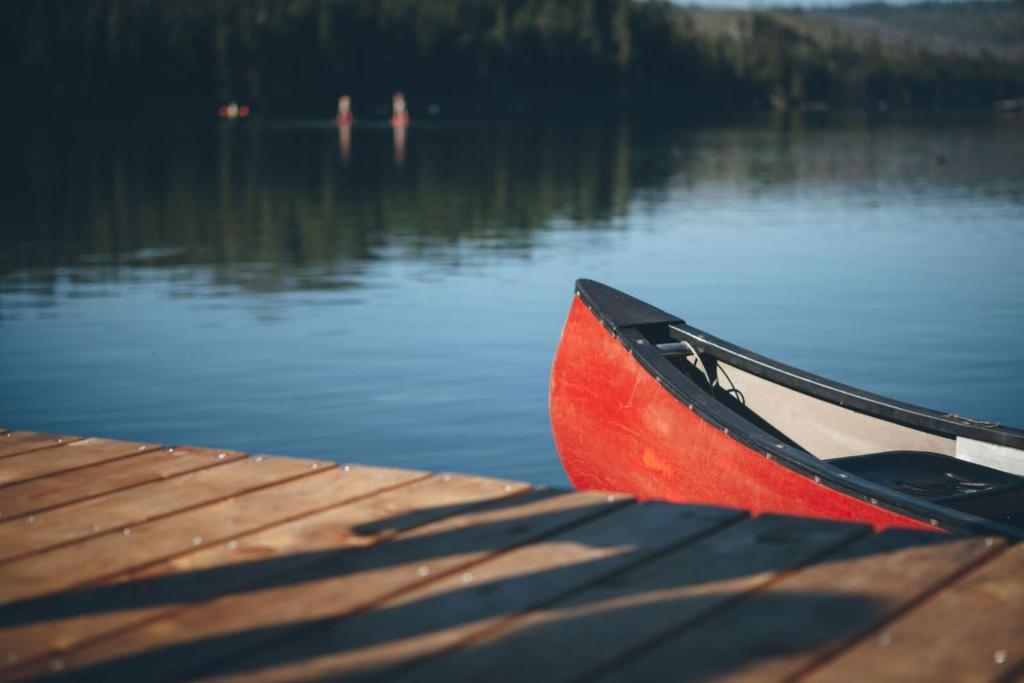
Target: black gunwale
(639, 326)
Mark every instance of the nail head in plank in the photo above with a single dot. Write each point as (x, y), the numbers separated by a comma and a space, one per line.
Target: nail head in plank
(123, 509)
(79, 484)
(973, 630)
(328, 537)
(13, 443)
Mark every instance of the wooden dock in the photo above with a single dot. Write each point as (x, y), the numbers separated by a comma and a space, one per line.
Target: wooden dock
(131, 561)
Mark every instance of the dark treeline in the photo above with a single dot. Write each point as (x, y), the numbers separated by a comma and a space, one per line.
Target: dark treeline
(282, 52)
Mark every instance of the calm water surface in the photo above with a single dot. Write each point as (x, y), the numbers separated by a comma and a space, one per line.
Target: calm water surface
(286, 288)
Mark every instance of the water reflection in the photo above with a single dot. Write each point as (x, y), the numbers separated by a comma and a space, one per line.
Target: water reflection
(282, 196)
(318, 289)
(345, 142)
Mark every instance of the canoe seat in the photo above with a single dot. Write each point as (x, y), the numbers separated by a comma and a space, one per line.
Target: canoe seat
(945, 480)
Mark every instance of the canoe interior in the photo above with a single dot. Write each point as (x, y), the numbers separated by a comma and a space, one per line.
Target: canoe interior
(823, 429)
(831, 420)
(911, 450)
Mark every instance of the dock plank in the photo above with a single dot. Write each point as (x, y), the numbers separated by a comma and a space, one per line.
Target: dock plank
(810, 613)
(68, 456)
(416, 624)
(122, 565)
(14, 443)
(33, 496)
(319, 543)
(579, 636)
(115, 511)
(971, 631)
(239, 622)
(106, 555)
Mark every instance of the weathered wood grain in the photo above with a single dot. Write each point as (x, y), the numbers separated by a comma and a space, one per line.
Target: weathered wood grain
(443, 613)
(812, 612)
(115, 511)
(40, 494)
(106, 555)
(160, 565)
(349, 582)
(971, 631)
(69, 456)
(580, 635)
(13, 443)
(251, 560)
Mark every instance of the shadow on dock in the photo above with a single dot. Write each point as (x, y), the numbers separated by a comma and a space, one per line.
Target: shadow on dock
(609, 588)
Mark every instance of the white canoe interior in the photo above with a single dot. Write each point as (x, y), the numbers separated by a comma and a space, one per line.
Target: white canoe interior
(828, 430)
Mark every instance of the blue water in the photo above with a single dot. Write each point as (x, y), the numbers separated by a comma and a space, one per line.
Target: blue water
(274, 288)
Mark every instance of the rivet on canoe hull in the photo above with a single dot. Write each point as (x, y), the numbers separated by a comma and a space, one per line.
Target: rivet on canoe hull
(933, 522)
(884, 639)
(423, 571)
(999, 656)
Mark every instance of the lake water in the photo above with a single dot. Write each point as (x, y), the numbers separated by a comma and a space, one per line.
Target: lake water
(287, 287)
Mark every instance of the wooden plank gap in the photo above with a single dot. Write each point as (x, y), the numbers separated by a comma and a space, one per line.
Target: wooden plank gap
(260, 557)
(423, 668)
(972, 563)
(18, 442)
(578, 634)
(622, 664)
(970, 631)
(83, 533)
(73, 486)
(4, 483)
(359, 514)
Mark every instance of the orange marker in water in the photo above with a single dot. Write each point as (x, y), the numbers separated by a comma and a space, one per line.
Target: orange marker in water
(399, 112)
(344, 116)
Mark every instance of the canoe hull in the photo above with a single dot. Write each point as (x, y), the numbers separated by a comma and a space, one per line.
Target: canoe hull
(617, 428)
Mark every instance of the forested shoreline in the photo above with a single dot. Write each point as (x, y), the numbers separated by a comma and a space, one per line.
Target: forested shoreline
(276, 53)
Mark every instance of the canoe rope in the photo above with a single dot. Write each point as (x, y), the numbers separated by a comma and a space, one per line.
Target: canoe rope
(698, 363)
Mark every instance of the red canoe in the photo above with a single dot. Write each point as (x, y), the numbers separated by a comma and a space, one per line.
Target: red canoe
(644, 403)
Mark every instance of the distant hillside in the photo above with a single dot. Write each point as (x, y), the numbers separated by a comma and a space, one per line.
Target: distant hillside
(971, 29)
(622, 53)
